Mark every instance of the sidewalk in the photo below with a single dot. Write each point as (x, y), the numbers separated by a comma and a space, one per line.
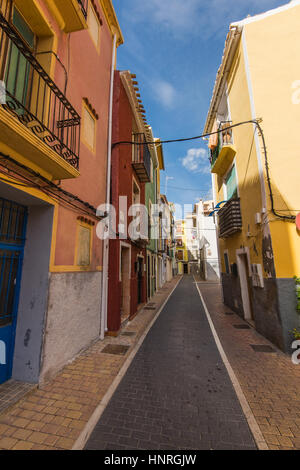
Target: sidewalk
(270, 381)
(54, 416)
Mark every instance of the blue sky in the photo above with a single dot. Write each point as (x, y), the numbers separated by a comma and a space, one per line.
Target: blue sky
(175, 48)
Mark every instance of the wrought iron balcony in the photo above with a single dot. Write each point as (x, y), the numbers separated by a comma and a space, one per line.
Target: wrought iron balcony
(230, 218)
(84, 6)
(141, 161)
(37, 104)
(222, 156)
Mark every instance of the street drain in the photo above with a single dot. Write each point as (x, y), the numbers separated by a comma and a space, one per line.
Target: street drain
(264, 348)
(229, 313)
(149, 308)
(128, 333)
(116, 349)
(242, 327)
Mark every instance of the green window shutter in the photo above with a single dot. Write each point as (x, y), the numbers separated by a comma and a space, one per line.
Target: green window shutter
(23, 28)
(231, 184)
(17, 73)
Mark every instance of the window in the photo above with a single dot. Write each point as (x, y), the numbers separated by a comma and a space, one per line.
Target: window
(226, 260)
(150, 221)
(89, 129)
(84, 243)
(230, 182)
(135, 202)
(17, 72)
(94, 26)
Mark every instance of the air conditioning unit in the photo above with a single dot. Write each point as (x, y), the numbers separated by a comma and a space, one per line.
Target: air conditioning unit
(257, 276)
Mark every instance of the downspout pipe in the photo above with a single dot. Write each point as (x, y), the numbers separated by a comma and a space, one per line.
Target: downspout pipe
(104, 297)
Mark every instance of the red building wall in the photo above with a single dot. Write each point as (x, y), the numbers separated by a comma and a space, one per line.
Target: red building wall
(123, 174)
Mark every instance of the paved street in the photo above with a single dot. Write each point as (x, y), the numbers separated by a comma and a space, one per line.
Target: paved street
(177, 393)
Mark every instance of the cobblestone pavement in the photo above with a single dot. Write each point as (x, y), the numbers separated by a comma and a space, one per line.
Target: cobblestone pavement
(54, 415)
(270, 382)
(176, 393)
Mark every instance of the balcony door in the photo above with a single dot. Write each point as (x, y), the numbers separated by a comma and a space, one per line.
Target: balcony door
(230, 184)
(17, 75)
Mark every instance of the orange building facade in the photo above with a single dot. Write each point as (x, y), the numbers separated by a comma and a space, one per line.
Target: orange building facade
(57, 63)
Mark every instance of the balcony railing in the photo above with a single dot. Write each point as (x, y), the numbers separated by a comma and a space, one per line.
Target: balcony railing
(223, 155)
(224, 138)
(84, 6)
(230, 218)
(34, 99)
(141, 161)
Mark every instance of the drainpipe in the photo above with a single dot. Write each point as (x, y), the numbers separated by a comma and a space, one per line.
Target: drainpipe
(104, 299)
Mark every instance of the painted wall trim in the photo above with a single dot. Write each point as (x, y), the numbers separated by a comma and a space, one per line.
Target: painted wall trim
(267, 14)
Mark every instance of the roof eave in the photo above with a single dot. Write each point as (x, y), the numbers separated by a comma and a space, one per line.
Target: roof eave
(231, 45)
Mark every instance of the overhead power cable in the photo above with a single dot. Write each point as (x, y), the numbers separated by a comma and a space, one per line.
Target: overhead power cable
(256, 122)
(187, 139)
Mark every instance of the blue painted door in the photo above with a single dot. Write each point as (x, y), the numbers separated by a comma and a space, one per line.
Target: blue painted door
(13, 219)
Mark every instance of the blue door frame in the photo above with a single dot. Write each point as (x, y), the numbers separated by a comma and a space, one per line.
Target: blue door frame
(13, 220)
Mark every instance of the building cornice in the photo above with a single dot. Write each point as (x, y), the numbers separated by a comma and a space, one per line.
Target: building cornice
(112, 20)
(131, 87)
(231, 44)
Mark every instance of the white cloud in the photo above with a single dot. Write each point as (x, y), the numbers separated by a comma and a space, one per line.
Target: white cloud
(195, 161)
(165, 93)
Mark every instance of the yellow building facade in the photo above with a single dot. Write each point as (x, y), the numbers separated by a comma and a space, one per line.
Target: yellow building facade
(182, 254)
(255, 167)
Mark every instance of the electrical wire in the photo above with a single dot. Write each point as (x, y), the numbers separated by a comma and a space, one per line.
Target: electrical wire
(188, 139)
(256, 122)
(284, 217)
(89, 209)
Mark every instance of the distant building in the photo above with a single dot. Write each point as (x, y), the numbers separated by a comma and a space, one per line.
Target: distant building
(207, 239)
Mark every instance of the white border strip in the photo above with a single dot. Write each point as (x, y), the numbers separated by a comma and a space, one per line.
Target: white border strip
(90, 426)
(257, 434)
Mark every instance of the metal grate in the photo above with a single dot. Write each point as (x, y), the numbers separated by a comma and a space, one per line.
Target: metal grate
(230, 218)
(116, 349)
(128, 333)
(142, 158)
(12, 222)
(83, 5)
(263, 348)
(242, 327)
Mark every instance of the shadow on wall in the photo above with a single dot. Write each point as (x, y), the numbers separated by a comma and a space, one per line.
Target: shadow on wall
(273, 306)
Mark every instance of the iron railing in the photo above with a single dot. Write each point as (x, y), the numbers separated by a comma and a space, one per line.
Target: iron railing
(142, 158)
(84, 7)
(230, 218)
(34, 99)
(224, 138)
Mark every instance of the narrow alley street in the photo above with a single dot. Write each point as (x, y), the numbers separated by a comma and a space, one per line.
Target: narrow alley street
(177, 393)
